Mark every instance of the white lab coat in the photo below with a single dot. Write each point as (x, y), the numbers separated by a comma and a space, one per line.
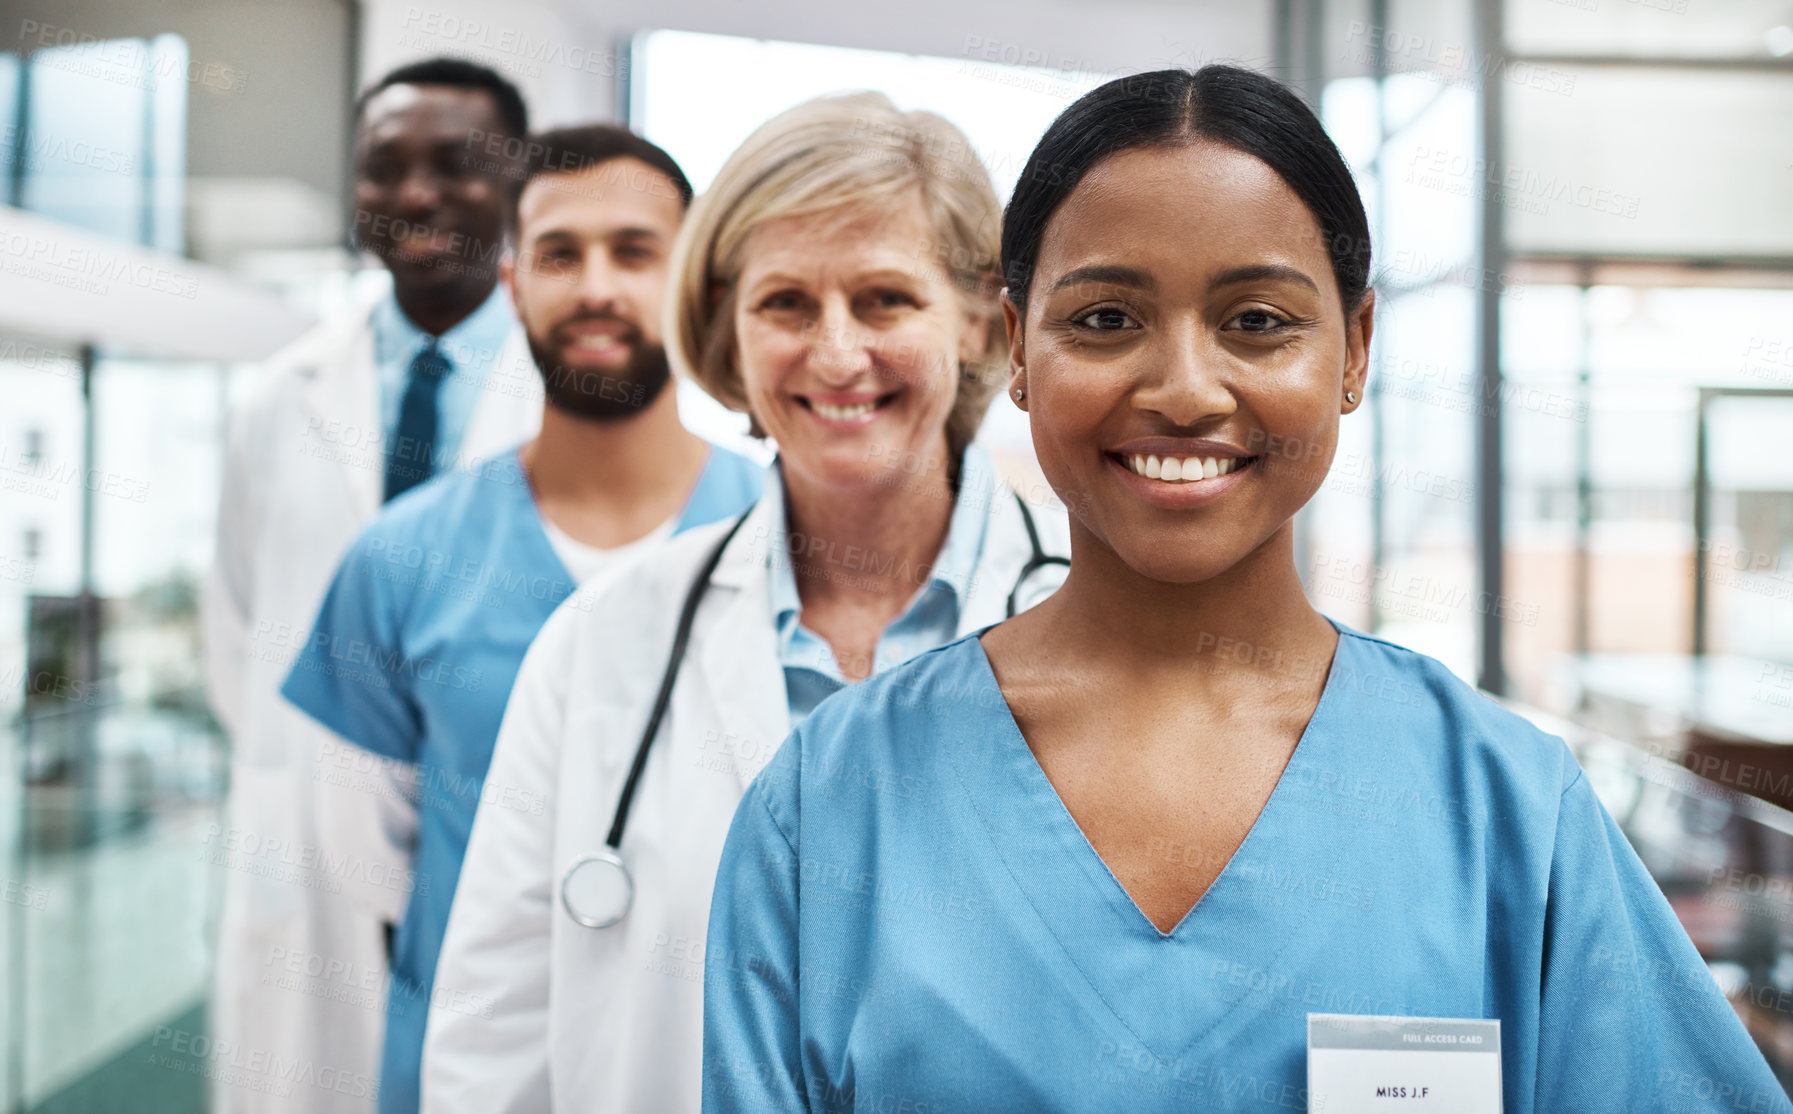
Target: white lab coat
(552, 1015)
(299, 996)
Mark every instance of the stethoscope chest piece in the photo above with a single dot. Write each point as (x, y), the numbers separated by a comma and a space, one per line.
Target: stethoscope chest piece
(597, 889)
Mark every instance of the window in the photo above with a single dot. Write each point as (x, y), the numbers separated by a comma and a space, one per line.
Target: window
(96, 134)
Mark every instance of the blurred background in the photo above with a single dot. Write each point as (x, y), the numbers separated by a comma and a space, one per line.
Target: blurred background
(1572, 482)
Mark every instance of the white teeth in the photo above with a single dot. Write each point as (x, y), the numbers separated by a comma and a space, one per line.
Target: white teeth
(843, 413)
(1173, 469)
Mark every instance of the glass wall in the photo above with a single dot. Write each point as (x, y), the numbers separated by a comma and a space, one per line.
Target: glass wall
(1647, 199)
(96, 136)
(1633, 230)
(120, 766)
(1600, 506)
(108, 487)
(1392, 540)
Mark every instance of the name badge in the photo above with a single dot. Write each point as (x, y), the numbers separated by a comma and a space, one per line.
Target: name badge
(1359, 1065)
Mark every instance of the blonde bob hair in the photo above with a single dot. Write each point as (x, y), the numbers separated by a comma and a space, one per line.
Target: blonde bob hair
(839, 158)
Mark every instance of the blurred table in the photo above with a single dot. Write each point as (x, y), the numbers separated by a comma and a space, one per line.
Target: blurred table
(1718, 695)
(1728, 719)
(1724, 860)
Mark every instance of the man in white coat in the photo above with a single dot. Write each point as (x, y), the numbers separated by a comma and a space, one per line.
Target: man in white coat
(434, 375)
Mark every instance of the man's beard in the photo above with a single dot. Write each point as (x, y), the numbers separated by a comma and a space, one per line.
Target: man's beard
(602, 394)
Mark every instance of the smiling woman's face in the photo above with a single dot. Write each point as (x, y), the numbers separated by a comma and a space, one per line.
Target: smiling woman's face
(850, 344)
(1184, 321)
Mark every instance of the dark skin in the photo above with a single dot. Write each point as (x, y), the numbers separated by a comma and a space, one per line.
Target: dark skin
(430, 200)
(1211, 326)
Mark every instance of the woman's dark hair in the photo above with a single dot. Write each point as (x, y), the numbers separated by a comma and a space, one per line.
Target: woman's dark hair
(1236, 107)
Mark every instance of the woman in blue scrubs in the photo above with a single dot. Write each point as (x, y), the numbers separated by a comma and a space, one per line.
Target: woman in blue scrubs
(1111, 853)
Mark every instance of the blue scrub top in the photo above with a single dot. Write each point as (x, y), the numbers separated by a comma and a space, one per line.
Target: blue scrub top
(811, 671)
(413, 657)
(963, 947)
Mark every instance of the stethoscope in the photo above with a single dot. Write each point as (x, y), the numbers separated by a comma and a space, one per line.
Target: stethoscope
(597, 889)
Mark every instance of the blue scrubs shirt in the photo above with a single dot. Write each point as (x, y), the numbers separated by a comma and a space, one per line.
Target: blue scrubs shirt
(413, 657)
(811, 672)
(961, 946)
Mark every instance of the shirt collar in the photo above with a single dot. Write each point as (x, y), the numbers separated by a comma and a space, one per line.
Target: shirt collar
(473, 342)
(953, 568)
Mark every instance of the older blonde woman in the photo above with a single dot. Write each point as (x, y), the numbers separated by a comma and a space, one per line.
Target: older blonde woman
(837, 284)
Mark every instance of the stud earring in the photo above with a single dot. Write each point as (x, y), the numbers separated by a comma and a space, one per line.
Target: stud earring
(1020, 393)
(1351, 397)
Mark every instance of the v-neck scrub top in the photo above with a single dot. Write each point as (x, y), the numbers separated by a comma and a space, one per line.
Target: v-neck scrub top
(907, 919)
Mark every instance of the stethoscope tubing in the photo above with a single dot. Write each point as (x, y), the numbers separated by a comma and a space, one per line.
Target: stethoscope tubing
(663, 699)
(611, 854)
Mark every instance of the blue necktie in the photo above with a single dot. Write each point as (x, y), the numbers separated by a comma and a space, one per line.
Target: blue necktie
(412, 455)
